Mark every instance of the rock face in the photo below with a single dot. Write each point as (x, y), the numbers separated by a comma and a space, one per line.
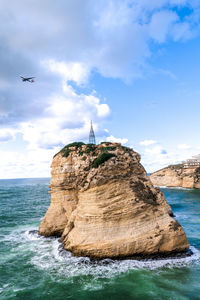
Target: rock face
(177, 176)
(104, 205)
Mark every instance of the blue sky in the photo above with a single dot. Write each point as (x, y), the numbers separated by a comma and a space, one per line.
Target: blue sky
(131, 66)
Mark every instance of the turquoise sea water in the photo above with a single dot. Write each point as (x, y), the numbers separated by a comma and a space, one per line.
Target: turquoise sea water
(33, 267)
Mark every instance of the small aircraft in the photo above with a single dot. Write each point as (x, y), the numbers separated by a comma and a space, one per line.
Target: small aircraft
(29, 79)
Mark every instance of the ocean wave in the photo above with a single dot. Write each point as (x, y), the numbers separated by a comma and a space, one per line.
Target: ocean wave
(173, 187)
(49, 255)
(53, 257)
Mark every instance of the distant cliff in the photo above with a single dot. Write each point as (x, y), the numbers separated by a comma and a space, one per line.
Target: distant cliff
(104, 205)
(177, 176)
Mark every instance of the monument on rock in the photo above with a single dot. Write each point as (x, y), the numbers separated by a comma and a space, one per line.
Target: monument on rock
(92, 139)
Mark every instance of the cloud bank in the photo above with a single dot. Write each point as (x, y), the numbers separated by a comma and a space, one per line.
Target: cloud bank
(155, 156)
(61, 42)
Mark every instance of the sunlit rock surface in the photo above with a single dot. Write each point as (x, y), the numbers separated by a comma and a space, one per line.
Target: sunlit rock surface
(104, 205)
(177, 176)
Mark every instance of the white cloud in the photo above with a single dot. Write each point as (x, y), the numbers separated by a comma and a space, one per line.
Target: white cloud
(6, 135)
(162, 24)
(158, 157)
(62, 41)
(111, 37)
(113, 139)
(157, 150)
(66, 118)
(103, 110)
(183, 146)
(147, 142)
(78, 72)
(31, 164)
(182, 31)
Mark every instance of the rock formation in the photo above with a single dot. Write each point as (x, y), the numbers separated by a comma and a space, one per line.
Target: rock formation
(177, 176)
(104, 205)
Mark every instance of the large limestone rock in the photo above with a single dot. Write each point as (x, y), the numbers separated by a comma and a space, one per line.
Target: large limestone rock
(108, 208)
(177, 176)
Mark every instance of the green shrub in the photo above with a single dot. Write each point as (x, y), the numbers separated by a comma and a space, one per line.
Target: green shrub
(101, 159)
(126, 148)
(78, 145)
(90, 148)
(105, 149)
(66, 150)
(75, 144)
(106, 143)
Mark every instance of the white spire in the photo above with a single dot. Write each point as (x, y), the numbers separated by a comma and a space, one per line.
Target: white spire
(91, 135)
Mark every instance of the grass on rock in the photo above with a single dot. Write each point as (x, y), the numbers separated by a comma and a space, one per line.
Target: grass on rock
(101, 159)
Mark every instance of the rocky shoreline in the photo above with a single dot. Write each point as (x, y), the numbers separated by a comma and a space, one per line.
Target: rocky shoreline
(177, 176)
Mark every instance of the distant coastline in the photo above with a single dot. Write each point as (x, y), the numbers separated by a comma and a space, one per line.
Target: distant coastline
(177, 176)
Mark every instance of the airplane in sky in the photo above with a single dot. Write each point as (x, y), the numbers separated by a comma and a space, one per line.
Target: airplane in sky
(29, 79)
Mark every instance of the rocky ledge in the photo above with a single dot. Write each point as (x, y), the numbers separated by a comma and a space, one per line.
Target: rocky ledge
(104, 205)
(177, 176)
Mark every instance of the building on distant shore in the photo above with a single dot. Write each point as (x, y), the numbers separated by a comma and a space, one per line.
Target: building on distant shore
(192, 162)
(92, 135)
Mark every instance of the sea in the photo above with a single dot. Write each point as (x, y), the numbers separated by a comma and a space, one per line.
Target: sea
(35, 267)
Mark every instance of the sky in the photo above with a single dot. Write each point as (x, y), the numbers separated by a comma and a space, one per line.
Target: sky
(130, 66)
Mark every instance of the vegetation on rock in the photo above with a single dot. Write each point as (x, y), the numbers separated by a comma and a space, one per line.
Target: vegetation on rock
(90, 148)
(126, 148)
(66, 150)
(101, 159)
(105, 149)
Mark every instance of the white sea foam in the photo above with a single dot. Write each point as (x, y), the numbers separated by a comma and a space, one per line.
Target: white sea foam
(53, 257)
(4, 287)
(181, 216)
(172, 187)
(48, 254)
